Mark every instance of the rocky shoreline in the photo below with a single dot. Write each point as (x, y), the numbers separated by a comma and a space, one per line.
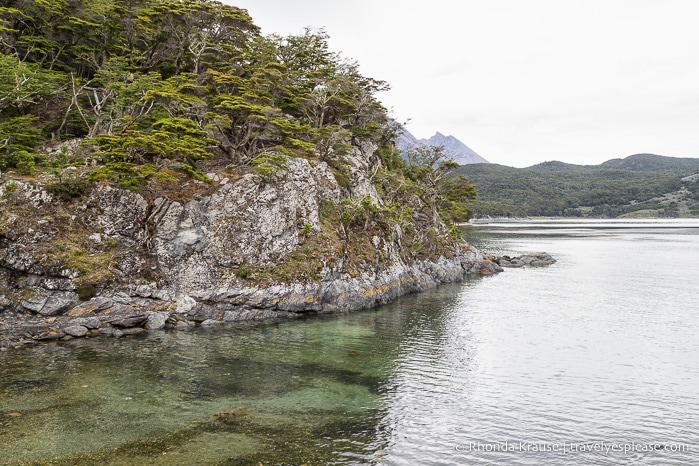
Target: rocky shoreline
(244, 247)
(148, 309)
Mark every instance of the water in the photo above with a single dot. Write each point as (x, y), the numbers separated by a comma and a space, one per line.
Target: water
(599, 351)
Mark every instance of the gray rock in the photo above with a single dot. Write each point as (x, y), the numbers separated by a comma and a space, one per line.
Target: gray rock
(50, 334)
(119, 212)
(93, 306)
(534, 259)
(93, 323)
(156, 320)
(177, 264)
(130, 321)
(185, 304)
(184, 325)
(34, 303)
(4, 303)
(75, 331)
(50, 304)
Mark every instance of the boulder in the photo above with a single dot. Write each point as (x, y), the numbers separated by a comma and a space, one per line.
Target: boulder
(156, 320)
(75, 331)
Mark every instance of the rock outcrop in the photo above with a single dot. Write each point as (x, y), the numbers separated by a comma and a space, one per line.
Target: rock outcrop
(253, 246)
(532, 259)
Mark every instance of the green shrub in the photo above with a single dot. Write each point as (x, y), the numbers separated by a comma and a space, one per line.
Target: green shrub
(269, 164)
(26, 163)
(306, 230)
(243, 270)
(165, 177)
(86, 291)
(9, 187)
(195, 173)
(341, 178)
(123, 173)
(70, 188)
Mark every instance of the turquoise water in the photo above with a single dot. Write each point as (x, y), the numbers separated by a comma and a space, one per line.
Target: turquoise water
(600, 350)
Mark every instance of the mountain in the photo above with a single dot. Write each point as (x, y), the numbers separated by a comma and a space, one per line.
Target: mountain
(639, 185)
(460, 152)
(651, 162)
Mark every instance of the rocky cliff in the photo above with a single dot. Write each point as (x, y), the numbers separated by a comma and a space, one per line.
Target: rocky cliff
(250, 245)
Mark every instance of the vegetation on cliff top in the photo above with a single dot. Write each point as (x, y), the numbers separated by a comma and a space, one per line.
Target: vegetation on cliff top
(154, 88)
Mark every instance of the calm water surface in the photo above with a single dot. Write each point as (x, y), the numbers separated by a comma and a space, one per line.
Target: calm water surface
(599, 351)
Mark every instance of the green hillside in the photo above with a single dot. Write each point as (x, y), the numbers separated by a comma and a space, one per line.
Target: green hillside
(639, 185)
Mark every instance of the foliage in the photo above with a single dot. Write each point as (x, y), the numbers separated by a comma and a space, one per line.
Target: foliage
(306, 230)
(182, 80)
(439, 186)
(195, 173)
(124, 173)
(267, 164)
(18, 137)
(70, 188)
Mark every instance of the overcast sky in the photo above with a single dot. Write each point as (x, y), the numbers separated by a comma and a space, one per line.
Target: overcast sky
(522, 82)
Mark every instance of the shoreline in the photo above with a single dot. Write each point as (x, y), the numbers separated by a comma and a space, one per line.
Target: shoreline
(144, 310)
(147, 310)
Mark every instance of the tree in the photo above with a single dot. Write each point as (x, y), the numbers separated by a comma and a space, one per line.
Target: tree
(439, 187)
(193, 35)
(22, 85)
(137, 76)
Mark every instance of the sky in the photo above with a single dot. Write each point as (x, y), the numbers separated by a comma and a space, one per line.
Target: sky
(522, 82)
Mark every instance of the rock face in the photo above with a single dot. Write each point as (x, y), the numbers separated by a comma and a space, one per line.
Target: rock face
(122, 262)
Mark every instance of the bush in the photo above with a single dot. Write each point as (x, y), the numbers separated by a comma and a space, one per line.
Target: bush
(195, 173)
(121, 172)
(341, 179)
(70, 188)
(86, 291)
(9, 187)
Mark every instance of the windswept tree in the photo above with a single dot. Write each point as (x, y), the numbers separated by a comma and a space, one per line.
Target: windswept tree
(22, 86)
(439, 186)
(194, 35)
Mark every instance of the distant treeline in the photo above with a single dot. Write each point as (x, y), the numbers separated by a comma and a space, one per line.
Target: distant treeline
(642, 182)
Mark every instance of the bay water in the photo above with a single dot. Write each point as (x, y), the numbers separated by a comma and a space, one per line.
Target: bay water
(593, 360)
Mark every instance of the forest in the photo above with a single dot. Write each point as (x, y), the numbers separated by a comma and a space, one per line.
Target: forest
(143, 81)
(641, 185)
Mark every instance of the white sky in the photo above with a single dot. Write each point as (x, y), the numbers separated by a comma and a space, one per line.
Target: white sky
(522, 81)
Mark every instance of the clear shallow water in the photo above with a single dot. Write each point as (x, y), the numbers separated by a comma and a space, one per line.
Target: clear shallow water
(600, 350)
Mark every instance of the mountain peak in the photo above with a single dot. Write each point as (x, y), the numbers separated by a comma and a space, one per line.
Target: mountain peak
(460, 152)
(457, 150)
